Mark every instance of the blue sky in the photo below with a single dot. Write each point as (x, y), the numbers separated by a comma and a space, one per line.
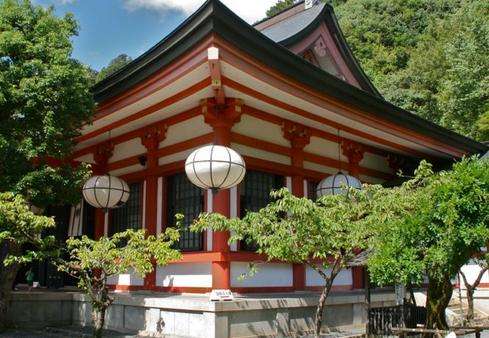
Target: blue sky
(112, 27)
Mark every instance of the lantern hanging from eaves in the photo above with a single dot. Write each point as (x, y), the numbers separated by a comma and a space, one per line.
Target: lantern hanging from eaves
(105, 191)
(215, 167)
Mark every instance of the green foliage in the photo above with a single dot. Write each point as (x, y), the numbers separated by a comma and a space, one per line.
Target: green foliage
(427, 56)
(278, 7)
(431, 225)
(20, 226)
(92, 262)
(114, 65)
(114, 255)
(44, 100)
(298, 230)
(326, 235)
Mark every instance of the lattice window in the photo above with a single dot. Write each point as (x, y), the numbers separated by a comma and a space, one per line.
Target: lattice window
(311, 190)
(188, 200)
(129, 215)
(255, 194)
(88, 221)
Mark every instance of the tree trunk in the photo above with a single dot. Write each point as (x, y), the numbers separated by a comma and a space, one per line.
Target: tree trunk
(98, 316)
(7, 279)
(320, 308)
(439, 295)
(470, 303)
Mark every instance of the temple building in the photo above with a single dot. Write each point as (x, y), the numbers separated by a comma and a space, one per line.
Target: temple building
(288, 95)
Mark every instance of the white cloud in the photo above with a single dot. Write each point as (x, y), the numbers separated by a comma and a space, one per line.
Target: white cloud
(249, 10)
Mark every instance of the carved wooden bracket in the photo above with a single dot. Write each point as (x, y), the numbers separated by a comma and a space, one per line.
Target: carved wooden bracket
(152, 137)
(298, 135)
(222, 115)
(353, 151)
(103, 152)
(399, 162)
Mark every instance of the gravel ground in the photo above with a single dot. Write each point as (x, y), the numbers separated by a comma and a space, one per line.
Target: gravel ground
(66, 332)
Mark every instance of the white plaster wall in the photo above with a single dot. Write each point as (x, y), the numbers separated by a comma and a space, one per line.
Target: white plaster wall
(374, 161)
(265, 155)
(322, 147)
(127, 170)
(471, 271)
(268, 274)
(127, 149)
(184, 275)
(159, 206)
(314, 279)
(321, 168)
(181, 156)
(129, 278)
(186, 130)
(254, 127)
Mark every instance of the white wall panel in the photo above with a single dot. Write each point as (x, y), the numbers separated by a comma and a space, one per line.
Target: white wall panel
(127, 170)
(184, 275)
(263, 130)
(314, 279)
(159, 206)
(471, 271)
(265, 155)
(129, 278)
(186, 130)
(322, 147)
(374, 161)
(268, 274)
(127, 149)
(321, 168)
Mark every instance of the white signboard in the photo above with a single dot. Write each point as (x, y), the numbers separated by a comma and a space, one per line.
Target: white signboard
(221, 295)
(400, 294)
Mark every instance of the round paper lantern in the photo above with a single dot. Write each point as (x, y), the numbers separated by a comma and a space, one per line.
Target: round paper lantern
(337, 184)
(105, 191)
(215, 167)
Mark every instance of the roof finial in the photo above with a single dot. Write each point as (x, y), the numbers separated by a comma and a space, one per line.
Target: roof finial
(309, 3)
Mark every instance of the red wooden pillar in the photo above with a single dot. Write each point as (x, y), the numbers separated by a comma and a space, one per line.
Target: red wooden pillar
(151, 139)
(101, 156)
(221, 117)
(299, 137)
(354, 152)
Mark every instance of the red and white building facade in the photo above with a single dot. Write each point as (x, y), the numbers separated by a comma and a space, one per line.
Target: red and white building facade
(286, 94)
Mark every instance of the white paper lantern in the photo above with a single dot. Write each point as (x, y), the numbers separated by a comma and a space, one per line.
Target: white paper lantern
(105, 191)
(215, 167)
(337, 184)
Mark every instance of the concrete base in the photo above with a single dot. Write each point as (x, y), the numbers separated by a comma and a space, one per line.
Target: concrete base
(171, 315)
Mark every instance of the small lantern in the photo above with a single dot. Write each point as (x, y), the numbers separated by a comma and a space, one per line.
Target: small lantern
(105, 191)
(337, 184)
(215, 167)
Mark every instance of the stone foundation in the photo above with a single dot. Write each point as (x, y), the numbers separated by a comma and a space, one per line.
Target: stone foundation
(194, 315)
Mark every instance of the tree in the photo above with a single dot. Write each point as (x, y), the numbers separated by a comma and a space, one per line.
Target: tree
(430, 226)
(94, 261)
(447, 78)
(114, 65)
(470, 288)
(325, 235)
(278, 7)
(44, 100)
(19, 226)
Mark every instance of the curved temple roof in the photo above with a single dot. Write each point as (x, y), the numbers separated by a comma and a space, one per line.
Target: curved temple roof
(296, 27)
(214, 17)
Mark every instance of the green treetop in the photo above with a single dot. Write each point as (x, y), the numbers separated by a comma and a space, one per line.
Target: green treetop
(325, 235)
(44, 100)
(430, 226)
